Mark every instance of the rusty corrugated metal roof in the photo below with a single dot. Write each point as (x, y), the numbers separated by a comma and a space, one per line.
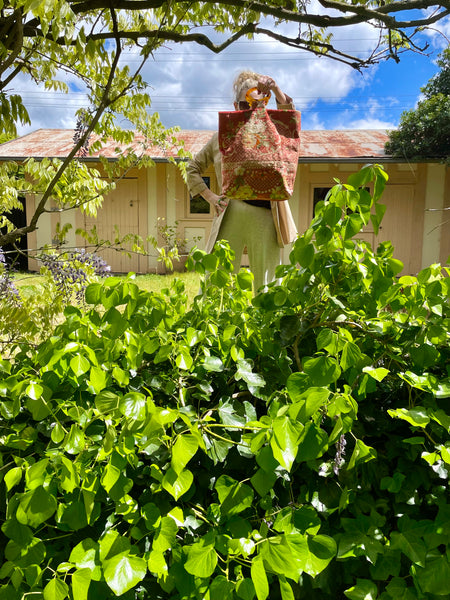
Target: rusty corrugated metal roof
(348, 144)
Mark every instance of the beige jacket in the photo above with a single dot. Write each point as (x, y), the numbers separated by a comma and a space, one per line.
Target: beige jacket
(210, 154)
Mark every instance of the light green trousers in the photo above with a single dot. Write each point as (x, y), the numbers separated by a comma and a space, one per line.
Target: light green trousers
(252, 226)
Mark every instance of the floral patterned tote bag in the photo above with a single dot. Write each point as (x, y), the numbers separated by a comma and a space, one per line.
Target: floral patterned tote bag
(260, 150)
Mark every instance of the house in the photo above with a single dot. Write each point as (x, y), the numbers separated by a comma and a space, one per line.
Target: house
(417, 195)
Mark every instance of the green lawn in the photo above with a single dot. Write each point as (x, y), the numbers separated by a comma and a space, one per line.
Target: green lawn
(29, 283)
(155, 283)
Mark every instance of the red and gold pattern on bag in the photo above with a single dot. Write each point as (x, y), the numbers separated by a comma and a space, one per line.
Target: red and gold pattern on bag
(260, 151)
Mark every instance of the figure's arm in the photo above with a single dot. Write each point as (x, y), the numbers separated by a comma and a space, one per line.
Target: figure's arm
(197, 187)
(196, 167)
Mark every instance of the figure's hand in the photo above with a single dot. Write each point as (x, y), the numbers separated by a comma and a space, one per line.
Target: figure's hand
(266, 84)
(219, 203)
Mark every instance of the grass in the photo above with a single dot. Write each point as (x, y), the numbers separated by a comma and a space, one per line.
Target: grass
(29, 283)
(156, 283)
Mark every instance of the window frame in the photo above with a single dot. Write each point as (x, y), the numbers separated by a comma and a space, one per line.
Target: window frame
(199, 215)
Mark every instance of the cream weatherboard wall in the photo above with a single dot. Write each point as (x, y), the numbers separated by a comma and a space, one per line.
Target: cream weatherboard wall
(434, 214)
(416, 220)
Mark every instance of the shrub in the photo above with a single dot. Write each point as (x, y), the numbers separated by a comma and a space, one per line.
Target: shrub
(29, 316)
(296, 442)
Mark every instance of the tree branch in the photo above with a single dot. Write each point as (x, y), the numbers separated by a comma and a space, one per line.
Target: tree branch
(166, 35)
(104, 103)
(384, 11)
(279, 12)
(359, 13)
(380, 16)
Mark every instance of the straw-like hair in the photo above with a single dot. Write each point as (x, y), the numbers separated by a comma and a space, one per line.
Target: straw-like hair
(244, 81)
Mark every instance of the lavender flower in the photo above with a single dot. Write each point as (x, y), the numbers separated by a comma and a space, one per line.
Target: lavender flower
(71, 270)
(80, 129)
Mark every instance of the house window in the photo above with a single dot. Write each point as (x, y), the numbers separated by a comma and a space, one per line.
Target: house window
(198, 205)
(319, 193)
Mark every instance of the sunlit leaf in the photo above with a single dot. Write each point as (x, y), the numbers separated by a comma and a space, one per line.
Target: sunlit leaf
(361, 454)
(363, 590)
(376, 373)
(56, 589)
(259, 578)
(202, 558)
(35, 507)
(123, 572)
(284, 442)
(234, 496)
(177, 484)
(81, 580)
(183, 450)
(415, 416)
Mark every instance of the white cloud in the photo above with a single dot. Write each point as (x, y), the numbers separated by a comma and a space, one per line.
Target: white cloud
(48, 108)
(203, 81)
(366, 123)
(372, 119)
(314, 122)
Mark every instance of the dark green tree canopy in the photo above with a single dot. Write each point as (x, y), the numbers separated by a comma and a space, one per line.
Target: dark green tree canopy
(440, 83)
(425, 131)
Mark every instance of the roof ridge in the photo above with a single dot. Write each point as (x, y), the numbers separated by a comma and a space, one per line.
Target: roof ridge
(317, 144)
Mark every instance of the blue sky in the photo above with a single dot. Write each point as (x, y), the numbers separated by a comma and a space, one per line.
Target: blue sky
(189, 84)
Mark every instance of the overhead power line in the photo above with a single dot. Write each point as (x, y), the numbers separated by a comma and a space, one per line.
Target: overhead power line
(198, 98)
(199, 110)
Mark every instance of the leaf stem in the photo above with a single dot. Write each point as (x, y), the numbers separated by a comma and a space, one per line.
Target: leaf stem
(219, 437)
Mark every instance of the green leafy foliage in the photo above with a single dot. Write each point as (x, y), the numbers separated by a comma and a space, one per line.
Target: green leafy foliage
(291, 445)
(28, 313)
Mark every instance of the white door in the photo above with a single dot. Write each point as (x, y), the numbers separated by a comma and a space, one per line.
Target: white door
(117, 219)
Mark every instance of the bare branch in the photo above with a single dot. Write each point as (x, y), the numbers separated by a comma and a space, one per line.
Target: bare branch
(318, 48)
